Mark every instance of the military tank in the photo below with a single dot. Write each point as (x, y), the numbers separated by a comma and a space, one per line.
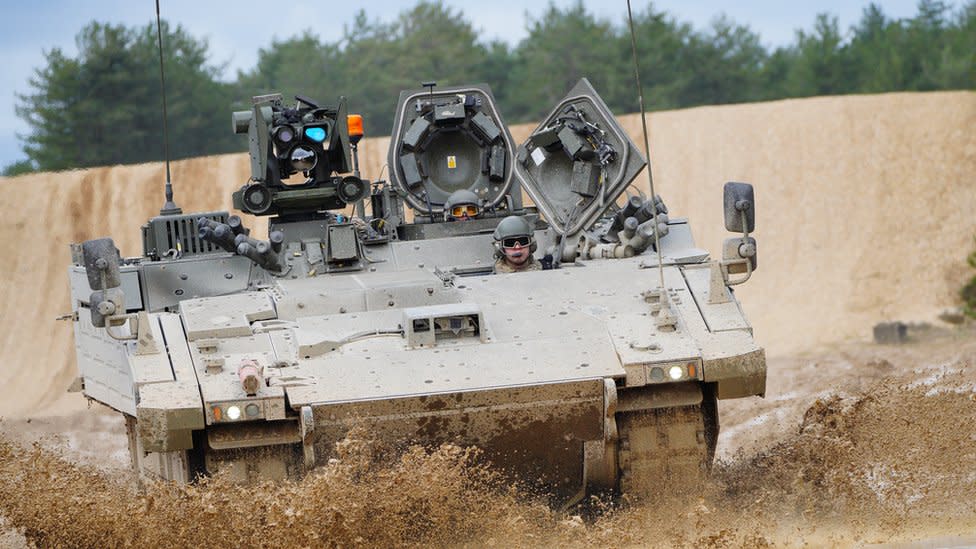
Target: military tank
(382, 305)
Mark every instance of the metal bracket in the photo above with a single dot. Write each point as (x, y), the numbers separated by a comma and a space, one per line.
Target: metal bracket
(140, 331)
(145, 340)
(666, 321)
(748, 262)
(717, 289)
(307, 427)
(600, 456)
(720, 280)
(121, 320)
(745, 277)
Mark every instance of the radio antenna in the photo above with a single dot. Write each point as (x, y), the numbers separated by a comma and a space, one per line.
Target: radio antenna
(647, 148)
(170, 207)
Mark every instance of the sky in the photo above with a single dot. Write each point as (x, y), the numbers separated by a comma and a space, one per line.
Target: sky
(236, 31)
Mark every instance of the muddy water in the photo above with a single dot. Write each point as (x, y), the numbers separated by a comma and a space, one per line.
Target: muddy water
(853, 446)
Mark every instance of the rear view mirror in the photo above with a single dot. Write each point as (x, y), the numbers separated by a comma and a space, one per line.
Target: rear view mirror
(739, 199)
(738, 254)
(101, 260)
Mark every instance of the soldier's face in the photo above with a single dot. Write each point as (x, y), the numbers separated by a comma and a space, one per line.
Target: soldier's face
(517, 254)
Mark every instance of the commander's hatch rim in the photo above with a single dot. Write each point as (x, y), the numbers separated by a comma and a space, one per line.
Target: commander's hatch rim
(448, 139)
(561, 169)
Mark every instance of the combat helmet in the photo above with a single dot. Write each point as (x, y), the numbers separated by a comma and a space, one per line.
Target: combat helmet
(514, 227)
(461, 203)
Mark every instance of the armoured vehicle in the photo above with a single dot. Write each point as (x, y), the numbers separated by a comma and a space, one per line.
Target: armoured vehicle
(601, 370)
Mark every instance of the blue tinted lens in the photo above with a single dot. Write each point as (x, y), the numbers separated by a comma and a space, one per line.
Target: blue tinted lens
(315, 134)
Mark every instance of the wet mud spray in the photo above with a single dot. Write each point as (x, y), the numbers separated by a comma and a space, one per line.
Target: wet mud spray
(894, 460)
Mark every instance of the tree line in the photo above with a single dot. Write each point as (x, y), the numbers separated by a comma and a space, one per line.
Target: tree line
(103, 105)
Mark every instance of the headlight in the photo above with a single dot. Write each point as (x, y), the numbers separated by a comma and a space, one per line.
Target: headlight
(233, 413)
(672, 372)
(228, 412)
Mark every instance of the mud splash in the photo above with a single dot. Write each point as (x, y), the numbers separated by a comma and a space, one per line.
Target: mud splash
(895, 461)
(442, 497)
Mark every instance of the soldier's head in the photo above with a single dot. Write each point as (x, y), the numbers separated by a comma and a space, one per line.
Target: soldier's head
(514, 240)
(462, 205)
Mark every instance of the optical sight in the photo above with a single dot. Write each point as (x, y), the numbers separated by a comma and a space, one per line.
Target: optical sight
(307, 139)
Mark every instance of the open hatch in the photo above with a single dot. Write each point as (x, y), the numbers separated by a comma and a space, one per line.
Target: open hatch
(577, 161)
(450, 139)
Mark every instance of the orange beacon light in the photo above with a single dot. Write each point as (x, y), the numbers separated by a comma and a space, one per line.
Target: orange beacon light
(355, 122)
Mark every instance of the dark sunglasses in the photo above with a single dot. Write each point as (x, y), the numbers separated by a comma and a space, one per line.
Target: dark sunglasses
(511, 242)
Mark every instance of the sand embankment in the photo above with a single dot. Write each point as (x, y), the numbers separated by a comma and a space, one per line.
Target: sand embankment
(866, 210)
